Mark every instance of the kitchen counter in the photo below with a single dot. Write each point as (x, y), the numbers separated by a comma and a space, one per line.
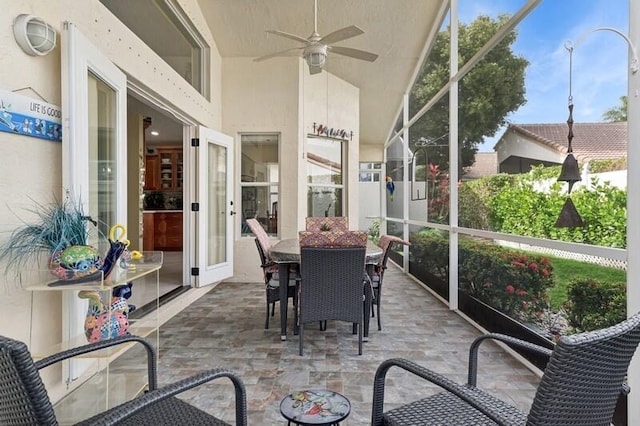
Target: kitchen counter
(162, 211)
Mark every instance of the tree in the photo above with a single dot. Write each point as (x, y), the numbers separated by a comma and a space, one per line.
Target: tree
(491, 90)
(618, 113)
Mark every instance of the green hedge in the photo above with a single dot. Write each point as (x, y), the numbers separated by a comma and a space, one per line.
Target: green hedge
(592, 305)
(511, 281)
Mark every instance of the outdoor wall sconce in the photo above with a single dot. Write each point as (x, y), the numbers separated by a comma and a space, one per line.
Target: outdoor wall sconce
(33, 35)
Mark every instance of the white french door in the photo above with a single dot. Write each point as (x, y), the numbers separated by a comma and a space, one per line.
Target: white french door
(94, 172)
(216, 210)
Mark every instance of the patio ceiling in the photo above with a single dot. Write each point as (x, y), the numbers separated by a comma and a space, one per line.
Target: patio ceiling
(396, 30)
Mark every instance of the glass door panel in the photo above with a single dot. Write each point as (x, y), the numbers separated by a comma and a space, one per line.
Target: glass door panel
(217, 201)
(216, 209)
(103, 167)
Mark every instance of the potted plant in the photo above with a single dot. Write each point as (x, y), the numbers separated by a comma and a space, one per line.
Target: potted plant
(59, 230)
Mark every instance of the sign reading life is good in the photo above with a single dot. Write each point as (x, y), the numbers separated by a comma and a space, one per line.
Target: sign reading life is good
(30, 117)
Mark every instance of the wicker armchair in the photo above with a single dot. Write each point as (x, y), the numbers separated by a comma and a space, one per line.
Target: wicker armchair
(331, 285)
(24, 399)
(386, 244)
(582, 382)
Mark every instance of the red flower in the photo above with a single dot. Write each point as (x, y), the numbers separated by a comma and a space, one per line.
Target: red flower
(510, 289)
(487, 284)
(521, 293)
(545, 272)
(533, 266)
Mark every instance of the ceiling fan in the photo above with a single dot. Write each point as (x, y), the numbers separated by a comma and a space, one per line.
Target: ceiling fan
(316, 48)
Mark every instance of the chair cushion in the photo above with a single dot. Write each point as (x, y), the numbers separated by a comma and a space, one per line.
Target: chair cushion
(262, 237)
(333, 239)
(172, 411)
(446, 409)
(317, 224)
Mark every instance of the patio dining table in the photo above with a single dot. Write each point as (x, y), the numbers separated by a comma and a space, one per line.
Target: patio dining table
(287, 252)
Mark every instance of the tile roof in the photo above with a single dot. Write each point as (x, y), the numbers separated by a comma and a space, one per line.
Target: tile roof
(591, 141)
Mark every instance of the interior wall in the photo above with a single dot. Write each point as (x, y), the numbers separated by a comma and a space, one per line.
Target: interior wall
(135, 166)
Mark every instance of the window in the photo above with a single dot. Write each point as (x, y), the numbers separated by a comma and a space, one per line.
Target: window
(370, 172)
(172, 36)
(259, 180)
(325, 171)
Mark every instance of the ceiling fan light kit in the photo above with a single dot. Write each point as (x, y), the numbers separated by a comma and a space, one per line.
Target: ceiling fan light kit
(316, 48)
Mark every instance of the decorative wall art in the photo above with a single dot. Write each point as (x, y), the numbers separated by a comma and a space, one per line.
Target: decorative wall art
(30, 117)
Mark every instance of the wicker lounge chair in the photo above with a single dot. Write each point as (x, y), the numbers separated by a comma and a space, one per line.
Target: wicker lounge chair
(386, 244)
(582, 382)
(24, 399)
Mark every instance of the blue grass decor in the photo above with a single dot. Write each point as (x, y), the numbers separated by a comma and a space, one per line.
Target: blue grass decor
(59, 228)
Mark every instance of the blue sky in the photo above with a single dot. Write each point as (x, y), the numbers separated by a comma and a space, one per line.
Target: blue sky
(600, 58)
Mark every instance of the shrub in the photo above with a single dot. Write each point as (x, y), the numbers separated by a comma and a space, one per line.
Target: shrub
(511, 281)
(592, 305)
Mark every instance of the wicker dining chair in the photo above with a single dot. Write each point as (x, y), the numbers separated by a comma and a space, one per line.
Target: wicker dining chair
(386, 243)
(24, 399)
(331, 286)
(271, 275)
(270, 271)
(581, 384)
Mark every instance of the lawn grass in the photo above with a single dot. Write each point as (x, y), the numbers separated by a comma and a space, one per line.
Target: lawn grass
(567, 270)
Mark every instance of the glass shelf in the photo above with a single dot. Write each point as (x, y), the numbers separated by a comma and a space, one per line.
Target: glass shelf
(112, 375)
(150, 262)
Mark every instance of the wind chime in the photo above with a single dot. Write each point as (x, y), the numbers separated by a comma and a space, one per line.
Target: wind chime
(570, 173)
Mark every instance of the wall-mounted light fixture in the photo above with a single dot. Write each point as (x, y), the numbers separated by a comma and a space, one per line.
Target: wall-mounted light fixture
(33, 35)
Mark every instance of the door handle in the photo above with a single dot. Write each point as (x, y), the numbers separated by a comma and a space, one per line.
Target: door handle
(231, 213)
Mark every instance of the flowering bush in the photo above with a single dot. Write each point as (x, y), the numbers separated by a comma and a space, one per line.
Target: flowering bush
(513, 282)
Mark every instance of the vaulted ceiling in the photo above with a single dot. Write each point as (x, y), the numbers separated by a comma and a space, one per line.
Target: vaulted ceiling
(395, 30)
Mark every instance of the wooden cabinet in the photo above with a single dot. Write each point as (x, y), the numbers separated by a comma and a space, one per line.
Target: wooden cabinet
(171, 169)
(148, 231)
(152, 173)
(167, 231)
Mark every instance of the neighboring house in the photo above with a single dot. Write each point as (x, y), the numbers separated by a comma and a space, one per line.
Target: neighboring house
(485, 164)
(525, 145)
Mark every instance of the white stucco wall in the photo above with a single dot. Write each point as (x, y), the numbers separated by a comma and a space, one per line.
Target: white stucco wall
(333, 102)
(32, 168)
(262, 97)
(513, 144)
(281, 96)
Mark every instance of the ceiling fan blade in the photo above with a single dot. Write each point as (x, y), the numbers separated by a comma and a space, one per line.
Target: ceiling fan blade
(287, 35)
(341, 34)
(287, 52)
(353, 53)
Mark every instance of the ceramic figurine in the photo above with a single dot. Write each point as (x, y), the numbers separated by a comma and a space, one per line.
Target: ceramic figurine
(107, 321)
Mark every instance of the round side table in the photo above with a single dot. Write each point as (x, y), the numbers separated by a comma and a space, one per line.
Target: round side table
(315, 407)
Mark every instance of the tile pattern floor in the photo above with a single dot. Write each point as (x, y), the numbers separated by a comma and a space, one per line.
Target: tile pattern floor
(225, 328)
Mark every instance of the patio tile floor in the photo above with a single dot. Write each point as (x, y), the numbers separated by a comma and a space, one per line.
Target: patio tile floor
(225, 328)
